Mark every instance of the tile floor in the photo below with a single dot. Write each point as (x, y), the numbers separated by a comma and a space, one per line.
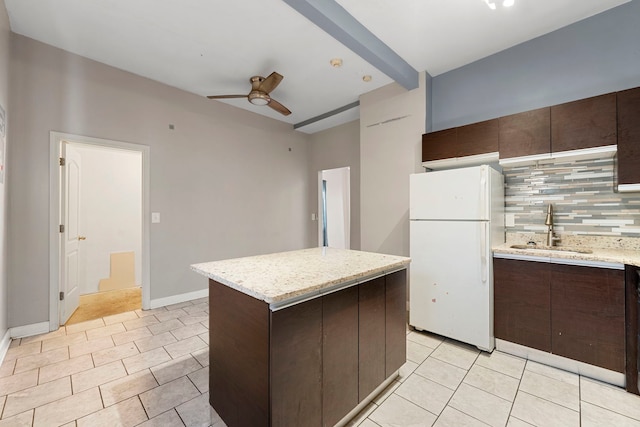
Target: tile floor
(150, 368)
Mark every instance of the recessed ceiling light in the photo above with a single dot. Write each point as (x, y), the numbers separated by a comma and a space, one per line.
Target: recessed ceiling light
(336, 62)
(366, 78)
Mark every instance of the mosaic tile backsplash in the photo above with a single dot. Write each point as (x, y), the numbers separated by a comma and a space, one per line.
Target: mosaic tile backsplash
(582, 195)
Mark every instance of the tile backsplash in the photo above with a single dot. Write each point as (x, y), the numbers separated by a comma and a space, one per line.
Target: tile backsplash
(582, 196)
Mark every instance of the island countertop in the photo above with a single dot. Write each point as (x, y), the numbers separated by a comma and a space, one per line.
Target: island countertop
(279, 277)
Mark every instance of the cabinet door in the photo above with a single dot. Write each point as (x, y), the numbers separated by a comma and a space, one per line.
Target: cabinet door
(296, 365)
(629, 136)
(586, 123)
(396, 321)
(522, 304)
(439, 145)
(339, 354)
(525, 134)
(587, 315)
(372, 336)
(478, 138)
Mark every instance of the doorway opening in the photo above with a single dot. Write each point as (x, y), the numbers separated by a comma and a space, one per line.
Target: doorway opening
(334, 207)
(99, 215)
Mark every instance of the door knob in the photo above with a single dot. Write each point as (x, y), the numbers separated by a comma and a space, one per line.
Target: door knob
(82, 238)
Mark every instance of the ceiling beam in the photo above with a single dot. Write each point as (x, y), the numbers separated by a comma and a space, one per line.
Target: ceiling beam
(338, 23)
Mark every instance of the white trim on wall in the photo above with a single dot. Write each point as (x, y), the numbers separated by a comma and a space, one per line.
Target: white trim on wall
(29, 330)
(55, 139)
(4, 345)
(175, 299)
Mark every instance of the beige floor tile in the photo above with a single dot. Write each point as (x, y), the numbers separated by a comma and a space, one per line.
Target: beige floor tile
(127, 413)
(556, 374)
(7, 367)
(425, 338)
(205, 337)
(166, 419)
(406, 370)
(85, 326)
(43, 337)
(89, 347)
(503, 363)
(200, 300)
(175, 368)
(129, 336)
(481, 405)
(202, 356)
(28, 363)
(140, 322)
(154, 341)
(25, 419)
(179, 305)
(417, 353)
(15, 342)
(165, 326)
(144, 313)
(200, 379)
(551, 389)
(196, 412)
(102, 357)
(105, 331)
(97, 376)
(68, 409)
(145, 360)
(595, 416)
(514, 422)
(425, 393)
(540, 412)
(126, 387)
(119, 318)
(172, 314)
(167, 396)
(396, 411)
(67, 340)
(23, 350)
(610, 397)
(18, 382)
(195, 318)
(65, 368)
(453, 418)
(197, 308)
(362, 415)
(494, 382)
(36, 396)
(384, 394)
(189, 331)
(185, 346)
(3, 399)
(457, 354)
(441, 372)
(368, 423)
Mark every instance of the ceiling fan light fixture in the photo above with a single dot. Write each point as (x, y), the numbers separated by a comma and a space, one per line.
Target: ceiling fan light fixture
(336, 62)
(367, 78)
(258, 98)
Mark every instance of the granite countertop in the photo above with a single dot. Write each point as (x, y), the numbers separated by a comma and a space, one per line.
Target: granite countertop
(283, 276)
(621, 256)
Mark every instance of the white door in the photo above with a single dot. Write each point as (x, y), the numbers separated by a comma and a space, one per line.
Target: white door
(71, 239)
(456, 194)
(451, 290)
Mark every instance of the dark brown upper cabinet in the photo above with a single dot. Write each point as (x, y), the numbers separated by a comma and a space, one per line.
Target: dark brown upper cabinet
(525, 134)
(629, 136)
(468, 140)
(586, 123)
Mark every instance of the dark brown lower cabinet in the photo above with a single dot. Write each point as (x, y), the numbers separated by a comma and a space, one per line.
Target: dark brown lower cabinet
(308, 364)
(573, 311)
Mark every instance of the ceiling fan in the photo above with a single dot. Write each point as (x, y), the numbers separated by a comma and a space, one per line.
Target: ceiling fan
(259, 95)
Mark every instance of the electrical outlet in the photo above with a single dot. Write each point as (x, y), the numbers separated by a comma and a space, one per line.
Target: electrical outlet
(155, 217)
(510, 220)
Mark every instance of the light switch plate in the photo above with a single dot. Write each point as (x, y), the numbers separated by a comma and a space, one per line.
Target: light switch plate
(155, 217)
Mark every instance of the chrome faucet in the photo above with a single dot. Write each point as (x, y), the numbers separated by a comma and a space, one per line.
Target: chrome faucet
(551, 238)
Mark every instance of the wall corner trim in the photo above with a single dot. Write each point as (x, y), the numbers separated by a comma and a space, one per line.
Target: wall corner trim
(175, 299)
(4, 345)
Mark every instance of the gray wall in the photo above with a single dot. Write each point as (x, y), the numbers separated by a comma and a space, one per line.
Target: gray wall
(225, 182)
(4, 101)
(591, 57)
(336, 148)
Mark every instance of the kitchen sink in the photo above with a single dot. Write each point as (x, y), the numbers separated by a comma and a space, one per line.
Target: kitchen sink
(566, 250)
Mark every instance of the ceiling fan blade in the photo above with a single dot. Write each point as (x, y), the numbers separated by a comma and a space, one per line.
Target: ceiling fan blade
(279, 107)
(226, 96)
(271, 82)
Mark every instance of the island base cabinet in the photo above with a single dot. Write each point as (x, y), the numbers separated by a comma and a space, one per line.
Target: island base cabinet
(308, 364)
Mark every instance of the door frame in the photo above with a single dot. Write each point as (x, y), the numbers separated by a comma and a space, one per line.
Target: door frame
(55, 139)
(347, 190)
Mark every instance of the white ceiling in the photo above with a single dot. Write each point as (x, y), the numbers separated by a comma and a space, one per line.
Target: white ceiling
(213, 47)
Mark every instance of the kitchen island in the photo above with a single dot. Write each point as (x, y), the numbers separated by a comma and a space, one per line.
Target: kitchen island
(303, 338)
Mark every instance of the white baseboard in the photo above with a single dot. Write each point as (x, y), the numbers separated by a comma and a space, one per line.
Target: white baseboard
(4, 345)
(175, 299)
(29, 330)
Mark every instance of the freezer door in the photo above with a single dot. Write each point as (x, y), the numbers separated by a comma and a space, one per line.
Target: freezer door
(451, 281)
(457, 194)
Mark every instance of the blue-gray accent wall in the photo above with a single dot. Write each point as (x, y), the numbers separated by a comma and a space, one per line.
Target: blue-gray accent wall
(597, 55)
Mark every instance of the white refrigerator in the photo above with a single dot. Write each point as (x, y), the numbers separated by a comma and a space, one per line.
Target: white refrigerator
(455, 217)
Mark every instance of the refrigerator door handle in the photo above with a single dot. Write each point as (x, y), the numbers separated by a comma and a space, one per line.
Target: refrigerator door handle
(483, 252)
(483, 193)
